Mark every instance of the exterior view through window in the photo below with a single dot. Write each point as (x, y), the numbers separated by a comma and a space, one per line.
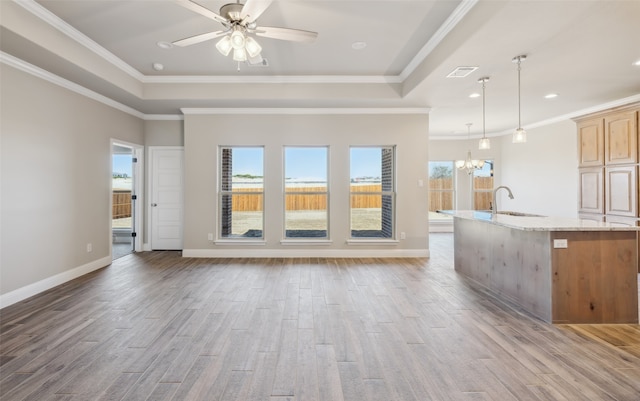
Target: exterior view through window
(241, 192)
(306, 192)
(441, 189)
(372, 171)
(483, 186)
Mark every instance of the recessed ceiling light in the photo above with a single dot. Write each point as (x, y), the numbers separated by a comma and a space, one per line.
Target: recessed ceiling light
(158, 66)
(164, 45)
(358, 45)
(461, 72)
(474, 95)
(637, 63)
(551, 96)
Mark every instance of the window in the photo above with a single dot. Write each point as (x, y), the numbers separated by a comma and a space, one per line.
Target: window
(441, 189)
(372, 171)
(306, 192)
(483, 186)
(241, 192)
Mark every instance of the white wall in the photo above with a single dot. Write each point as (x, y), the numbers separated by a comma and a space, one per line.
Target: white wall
(542, 173)
(205, 133)
(56, 180)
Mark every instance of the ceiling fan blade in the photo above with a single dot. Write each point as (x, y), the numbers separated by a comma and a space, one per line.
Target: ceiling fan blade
(192, 40)
(252, 9)
(295, 35)
(202, 10)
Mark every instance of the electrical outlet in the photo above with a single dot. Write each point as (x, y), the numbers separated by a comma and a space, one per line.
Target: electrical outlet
(403, 235)
(89, 247)
(560, 243)
(210, 236)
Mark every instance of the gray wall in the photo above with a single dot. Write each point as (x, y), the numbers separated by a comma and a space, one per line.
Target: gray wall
(205, 133)
(56, 178)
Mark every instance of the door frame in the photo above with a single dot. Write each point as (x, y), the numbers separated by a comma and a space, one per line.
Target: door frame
(149, 190)
(137, 189)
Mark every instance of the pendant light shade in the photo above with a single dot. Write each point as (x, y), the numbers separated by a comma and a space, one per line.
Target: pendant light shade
(519, 135)
(484, 143)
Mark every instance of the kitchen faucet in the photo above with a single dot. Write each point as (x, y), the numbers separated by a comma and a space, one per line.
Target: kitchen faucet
(494, 210)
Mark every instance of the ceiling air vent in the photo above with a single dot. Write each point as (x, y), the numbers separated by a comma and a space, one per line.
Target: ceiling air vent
(461, 72)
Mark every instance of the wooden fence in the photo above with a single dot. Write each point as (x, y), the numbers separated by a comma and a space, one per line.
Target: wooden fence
(440, 197)
(441, 193)
(121, 204)
(301, 201)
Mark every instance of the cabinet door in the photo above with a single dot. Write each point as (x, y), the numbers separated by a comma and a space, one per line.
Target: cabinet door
(621, 138)
(621, 194)
(590, 197)
(591, 143)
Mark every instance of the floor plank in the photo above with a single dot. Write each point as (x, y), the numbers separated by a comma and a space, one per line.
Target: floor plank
(158, 326)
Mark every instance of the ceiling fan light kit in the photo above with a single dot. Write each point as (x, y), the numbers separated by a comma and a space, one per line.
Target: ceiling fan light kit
(239, 21)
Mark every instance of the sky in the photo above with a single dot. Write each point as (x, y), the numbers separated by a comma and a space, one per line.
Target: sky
(122, 164)
(301, 163)
(308, 163)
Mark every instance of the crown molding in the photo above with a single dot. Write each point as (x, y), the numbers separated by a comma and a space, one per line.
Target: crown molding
(563, 117)
(305, 111)
(275, 79)
(463, 8)
(72, 86)
(47, 16)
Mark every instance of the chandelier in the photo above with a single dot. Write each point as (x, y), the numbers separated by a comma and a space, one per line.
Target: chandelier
(469, 164)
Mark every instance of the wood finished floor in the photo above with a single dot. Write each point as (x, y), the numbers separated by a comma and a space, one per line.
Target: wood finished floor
(155, 326)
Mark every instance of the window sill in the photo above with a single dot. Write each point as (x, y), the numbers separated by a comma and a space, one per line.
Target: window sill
(305, 242)
(248, 242)
(372, 241)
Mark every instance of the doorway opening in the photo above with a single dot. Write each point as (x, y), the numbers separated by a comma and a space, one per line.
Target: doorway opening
(123, 199)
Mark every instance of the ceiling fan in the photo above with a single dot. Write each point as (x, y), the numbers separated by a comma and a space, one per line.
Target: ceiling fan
(240, 20)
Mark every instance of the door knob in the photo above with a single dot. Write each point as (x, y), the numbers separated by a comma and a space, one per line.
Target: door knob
(154, 204)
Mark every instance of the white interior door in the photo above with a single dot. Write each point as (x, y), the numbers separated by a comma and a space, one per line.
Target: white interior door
(167, 186)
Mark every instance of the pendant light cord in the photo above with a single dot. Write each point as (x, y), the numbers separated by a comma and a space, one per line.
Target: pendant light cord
(519, 115)
(483, 112)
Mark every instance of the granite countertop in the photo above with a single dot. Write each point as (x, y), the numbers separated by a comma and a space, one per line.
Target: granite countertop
(537, 223)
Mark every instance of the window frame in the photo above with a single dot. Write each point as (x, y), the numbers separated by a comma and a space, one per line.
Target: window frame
(285, 238)
(392, 194)
(222, 192)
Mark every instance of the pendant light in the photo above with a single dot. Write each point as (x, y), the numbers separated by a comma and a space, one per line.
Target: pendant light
(469, 164)
(484, 143)
(519, 135)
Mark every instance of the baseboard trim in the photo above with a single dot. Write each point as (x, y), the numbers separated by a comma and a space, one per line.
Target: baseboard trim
(30, 290)
(308, 253)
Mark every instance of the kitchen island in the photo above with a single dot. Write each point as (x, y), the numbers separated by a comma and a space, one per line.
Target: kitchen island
(561, 270)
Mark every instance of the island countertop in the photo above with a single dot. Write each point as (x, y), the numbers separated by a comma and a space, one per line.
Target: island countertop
(537, 223)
